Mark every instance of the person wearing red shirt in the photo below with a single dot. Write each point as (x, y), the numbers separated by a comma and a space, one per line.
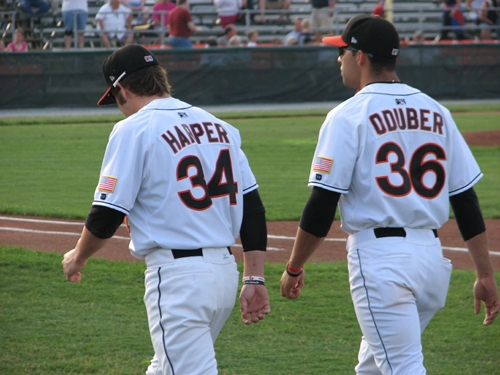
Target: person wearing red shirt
(181, 25)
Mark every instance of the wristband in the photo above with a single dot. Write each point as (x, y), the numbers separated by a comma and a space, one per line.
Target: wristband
(294, 272)
(254, 280)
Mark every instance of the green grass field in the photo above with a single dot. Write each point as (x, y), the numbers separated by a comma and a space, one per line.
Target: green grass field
(50, 167)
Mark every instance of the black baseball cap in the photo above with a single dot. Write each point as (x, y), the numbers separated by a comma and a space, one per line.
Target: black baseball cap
(370, 34)
(121, 63)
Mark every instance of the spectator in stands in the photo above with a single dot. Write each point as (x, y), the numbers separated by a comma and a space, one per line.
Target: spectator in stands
(474, 6)
(19, 43)
(115, 22)
(273, 5)
(41, 5)
(181, 25)
(306, 36)
(2, 45)
(138, 8)
(253, 37)
(162, 10)
(75, 10)
(229, 32)
(229, 11)
(379, 10)
(234, 41)
(297, 29)
(292, 41)
(452, 16)
(322, 17)
(488, 17)
(418, 37)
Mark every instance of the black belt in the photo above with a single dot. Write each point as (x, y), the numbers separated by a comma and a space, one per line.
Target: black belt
(394, 232)
(185, 253)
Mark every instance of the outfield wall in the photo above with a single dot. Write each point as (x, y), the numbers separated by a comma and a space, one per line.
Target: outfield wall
(215, 76)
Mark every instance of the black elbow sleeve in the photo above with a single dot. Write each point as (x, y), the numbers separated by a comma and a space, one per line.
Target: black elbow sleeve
(468, 214)
(319, 212)
(253, 231)
(103, 222)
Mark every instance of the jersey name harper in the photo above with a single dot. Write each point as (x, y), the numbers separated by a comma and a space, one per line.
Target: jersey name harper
(391, 120)
(184, 135)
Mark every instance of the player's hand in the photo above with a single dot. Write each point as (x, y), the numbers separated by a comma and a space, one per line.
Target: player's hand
(485, 289)
(72, 267)
(290, 285)
(254, 303)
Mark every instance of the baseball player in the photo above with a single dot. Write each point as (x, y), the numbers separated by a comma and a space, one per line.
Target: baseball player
(180, 177)
(393, 159)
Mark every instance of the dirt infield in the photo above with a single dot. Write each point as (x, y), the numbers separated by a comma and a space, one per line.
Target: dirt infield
(61, 235)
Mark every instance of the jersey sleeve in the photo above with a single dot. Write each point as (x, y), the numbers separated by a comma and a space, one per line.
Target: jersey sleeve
(335, 155)
(121, 170)
(463, 170)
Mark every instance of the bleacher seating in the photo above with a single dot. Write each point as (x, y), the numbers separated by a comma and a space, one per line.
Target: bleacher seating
(47, 33)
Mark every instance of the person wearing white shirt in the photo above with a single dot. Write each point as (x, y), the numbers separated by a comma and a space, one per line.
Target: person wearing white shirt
(115, 21)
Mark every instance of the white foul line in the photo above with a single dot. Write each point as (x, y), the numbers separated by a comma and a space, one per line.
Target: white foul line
(459, 249)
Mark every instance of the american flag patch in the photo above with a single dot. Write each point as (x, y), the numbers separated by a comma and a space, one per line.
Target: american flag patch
(107, 184)
(323, 164)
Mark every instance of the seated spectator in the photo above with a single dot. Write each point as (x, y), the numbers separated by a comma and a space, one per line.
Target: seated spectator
(253, 37)
(162, 9)
(452, 16)
(41, 5)
(234, 41)
(181, 25)
(229, 32)
(138, 9)
(306, 36)
(418, 37)
(19, 43)
(322, 17)
(229, 11)
(487, 18)
(115, 22)
(272, 5)
(292, 41)
(74, 10)
(297, 29)
(379, 10)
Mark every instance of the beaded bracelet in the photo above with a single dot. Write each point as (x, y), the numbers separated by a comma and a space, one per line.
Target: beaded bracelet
(254, 280)
(294, 272)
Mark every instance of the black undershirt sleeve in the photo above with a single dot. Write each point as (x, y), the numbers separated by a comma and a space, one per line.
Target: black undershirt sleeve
(103, 222)
(468, 214)
(319, 212)
(253, 231)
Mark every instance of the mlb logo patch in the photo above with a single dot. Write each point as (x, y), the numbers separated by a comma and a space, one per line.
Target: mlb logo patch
(148, 58)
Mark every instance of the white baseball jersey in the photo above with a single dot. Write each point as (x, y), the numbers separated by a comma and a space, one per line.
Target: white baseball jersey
(396, 156)
(179, 175)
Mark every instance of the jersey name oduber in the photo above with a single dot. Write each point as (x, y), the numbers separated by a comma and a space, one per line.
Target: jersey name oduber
(179, 174)
(395, 155)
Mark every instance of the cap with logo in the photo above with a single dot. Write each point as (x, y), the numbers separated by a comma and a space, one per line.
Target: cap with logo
(370, 34)
(122, 63)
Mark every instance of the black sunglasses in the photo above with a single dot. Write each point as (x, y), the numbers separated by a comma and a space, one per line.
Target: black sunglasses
(343, 49)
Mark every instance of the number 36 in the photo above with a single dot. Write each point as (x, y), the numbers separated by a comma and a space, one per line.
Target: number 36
(418, 168)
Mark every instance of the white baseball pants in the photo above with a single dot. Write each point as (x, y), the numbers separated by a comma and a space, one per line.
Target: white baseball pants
(397, 286)
(188, 300)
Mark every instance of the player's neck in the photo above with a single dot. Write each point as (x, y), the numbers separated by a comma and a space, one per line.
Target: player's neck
(389, 77)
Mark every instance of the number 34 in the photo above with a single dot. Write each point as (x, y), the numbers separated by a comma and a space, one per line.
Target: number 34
(221, 184)
(418, 167)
